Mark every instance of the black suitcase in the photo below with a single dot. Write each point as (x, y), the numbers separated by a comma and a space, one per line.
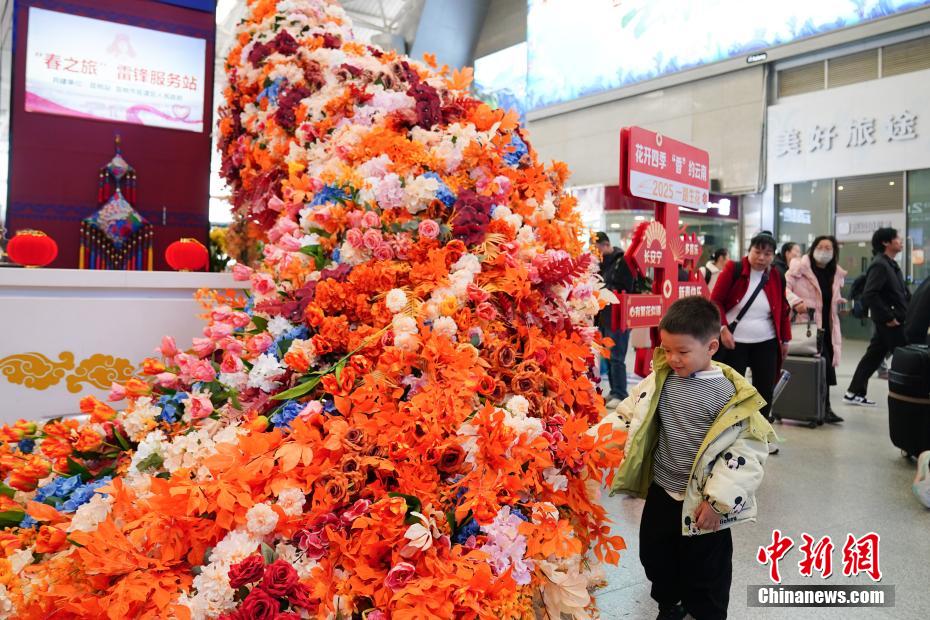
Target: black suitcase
(909, 399)
(805, 396)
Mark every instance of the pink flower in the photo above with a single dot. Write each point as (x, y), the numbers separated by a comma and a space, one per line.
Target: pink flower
(358, 509)
(314, 407)
(217, 332)
(313, 544)
(241, 273)
(231, 363)
(400, 575)
(231, 345)
(262, 283)
(372, 238)
(429, 229)
(390, 194)
(283, 226)
(202, 370)
(371, 220)
(486, 311)
(167, 380)
(477, 294)
(376, 615)
(199, 406)
(354, 237)
(383, 252)
(259, 343)
(117, 392)
(503, 183)
(168, 347)
(276, 204)
(202, 346)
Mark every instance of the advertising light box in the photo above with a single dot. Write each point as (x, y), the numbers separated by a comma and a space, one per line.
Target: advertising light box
(94, 69)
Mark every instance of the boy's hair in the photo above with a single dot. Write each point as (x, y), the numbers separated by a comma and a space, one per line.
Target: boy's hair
(693, 316)
(882, 236)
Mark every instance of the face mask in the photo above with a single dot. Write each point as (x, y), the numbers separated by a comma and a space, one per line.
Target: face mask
(823, 256)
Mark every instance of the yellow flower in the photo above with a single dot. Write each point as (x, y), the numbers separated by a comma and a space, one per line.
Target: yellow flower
(449, 306)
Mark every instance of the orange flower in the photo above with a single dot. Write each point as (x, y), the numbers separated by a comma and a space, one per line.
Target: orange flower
(151, 366)
(88, 440)
(137, 387)
(50, 539)
(99, 412)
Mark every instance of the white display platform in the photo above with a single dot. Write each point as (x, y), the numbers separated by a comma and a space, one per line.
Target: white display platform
(70, 333)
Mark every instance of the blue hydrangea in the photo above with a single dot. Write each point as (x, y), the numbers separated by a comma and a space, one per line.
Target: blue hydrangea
(272, 92)
(82, 494)
(170, 406)
(468, 529)
(329, 194)
(61, 487)
(286, 414)
(516, 151)
(443, 194)
(249, 306)
(329, 406)
(26, 446)
(28, 522)
(299, 332)
(518, 511)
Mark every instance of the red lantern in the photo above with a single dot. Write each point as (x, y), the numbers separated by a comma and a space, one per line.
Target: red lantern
(187, 254)
(32, 248)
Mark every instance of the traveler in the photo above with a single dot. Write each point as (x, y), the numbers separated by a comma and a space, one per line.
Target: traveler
(619, 279)
(886, 297)
(814, 283)
(714, 266)
(917, 323)
(789, 252)
(756, 335)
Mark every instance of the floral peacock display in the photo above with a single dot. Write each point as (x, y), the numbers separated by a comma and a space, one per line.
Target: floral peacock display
(400, 420)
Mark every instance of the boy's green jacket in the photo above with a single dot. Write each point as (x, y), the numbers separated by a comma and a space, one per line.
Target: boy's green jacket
(728, 467)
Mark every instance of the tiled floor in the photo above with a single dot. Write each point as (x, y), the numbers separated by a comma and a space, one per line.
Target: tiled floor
(831, 480)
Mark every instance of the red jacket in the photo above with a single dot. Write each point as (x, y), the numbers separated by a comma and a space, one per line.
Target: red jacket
(729, 291)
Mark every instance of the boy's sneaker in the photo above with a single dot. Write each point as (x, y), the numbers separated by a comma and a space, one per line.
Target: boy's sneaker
(675, 612)
(613, 402)
(857, 399)
(773, 449)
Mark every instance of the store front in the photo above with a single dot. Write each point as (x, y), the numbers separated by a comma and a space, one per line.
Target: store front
(847, 161)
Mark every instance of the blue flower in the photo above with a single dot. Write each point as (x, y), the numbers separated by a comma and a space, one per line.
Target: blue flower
(249, 306)
(467, 530)
(329, 194)
(329, 406)
(336, 256)
(26, 446)
(170, 406)
(60, 488)
(518, 511)
(443, 194)
(513, 157)
(299, 332)
(83, 494)
(271, 92)
(28, 522)
(286, 414)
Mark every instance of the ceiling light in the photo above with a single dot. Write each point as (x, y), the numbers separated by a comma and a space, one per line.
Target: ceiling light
(638, 218)
(840, 188)
(890, 182)
(615, 226)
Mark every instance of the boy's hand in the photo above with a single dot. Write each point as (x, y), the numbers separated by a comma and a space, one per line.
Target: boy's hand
(706, 518)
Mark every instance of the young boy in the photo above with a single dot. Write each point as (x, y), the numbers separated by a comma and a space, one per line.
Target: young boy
(695, 450)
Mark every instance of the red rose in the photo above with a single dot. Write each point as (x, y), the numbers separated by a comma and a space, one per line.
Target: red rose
(280, 578)
(259, 605)
(247, 571)
(300, 597)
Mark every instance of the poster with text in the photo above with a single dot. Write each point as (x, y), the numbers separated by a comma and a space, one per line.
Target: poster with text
(90, 68)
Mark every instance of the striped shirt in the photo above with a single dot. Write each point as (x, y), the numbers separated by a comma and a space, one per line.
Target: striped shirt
(687, 408)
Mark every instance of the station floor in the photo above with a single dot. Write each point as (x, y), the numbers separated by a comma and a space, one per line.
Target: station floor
(832, 480)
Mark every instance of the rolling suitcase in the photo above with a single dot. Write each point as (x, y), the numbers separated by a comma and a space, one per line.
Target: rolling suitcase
(804, 398)
(909, 399)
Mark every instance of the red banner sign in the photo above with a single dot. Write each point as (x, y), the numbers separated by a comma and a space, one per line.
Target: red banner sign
(665, 170)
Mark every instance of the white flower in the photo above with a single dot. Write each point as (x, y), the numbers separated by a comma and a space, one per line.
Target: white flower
(404, 325)
(565, 589)
(7, 609)
(445, 326)
(20, 559)
(140, 418)
(420, 192)
(406, 341)
(518, 405)
(263, 374)
(261, 519)
(153, 443)
(292, 501)
(278, 325)
(395, 300)
(555, 479)
(89, 515)
(236, 380)
(468, 262)
(420, 535)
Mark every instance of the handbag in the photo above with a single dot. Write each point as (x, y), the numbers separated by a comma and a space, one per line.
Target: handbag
(806, 337)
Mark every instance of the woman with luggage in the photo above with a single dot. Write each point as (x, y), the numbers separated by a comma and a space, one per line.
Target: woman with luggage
(756, 325)
(813, 283)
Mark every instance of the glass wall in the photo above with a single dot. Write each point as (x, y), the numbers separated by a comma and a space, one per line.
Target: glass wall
(804, 210)
(918, 226)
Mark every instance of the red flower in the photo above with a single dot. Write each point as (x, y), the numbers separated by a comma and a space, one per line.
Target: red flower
(280, 578)
(300, 597)
(247, 571)
(473, 214)
(259, 605)
(398, 576)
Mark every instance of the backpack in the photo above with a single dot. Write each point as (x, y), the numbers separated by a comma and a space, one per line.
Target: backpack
(859, 309)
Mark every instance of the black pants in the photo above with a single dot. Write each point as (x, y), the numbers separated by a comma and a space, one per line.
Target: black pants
(696, 570)
(762, 358)
(884, 341)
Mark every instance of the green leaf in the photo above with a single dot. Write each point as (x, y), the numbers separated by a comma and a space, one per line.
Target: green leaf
(76, 544)
(316, 252)
(268, 554)
(75, 468)
(283, 346)
(260, 322)
(318, 231)
(298, 390)
(152, 461)
(122, 440)
(338, 368)
(11, 518)
(5, 490)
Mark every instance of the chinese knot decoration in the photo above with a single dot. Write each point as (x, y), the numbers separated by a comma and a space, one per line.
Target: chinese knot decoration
(116, 236)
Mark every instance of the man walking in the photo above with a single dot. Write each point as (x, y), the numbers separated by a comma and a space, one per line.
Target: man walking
(886, 297)
(619, 279)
